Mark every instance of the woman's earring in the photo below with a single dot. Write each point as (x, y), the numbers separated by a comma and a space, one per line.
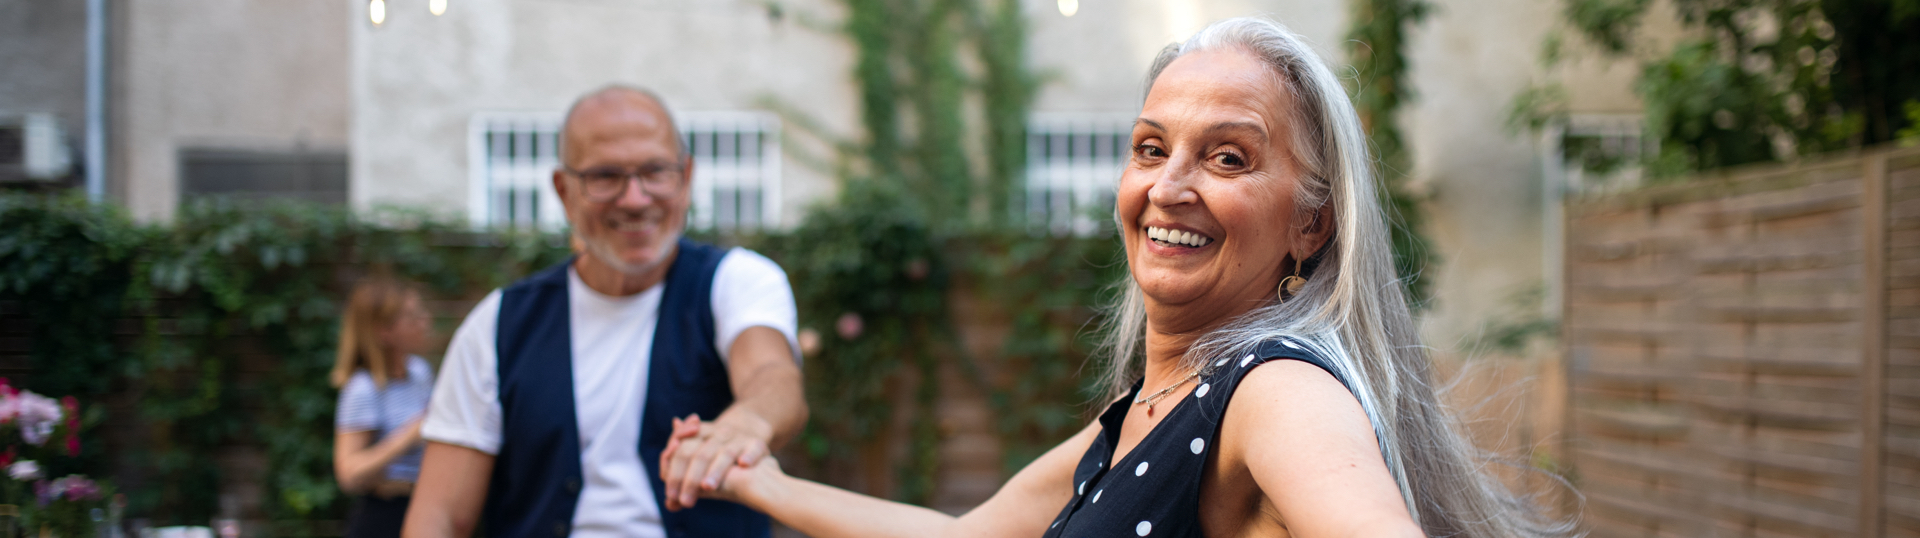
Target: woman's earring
(1290, 286)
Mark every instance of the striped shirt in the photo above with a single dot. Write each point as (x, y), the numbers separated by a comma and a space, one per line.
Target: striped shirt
(365, 407)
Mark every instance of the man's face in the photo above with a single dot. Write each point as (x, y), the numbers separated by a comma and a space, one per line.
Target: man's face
(631, 222)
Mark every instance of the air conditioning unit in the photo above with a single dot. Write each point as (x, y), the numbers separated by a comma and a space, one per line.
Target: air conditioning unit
(33, 147)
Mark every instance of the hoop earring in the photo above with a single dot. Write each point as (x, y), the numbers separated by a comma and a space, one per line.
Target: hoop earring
(1290, 286)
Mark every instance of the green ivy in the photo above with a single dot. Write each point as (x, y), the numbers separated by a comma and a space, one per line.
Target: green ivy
(1377, 44)
(234, 309)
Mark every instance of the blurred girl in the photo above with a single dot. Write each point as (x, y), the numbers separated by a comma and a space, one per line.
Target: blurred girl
(384, 388)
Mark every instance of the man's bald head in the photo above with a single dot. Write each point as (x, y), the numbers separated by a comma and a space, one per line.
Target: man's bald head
(618, 104)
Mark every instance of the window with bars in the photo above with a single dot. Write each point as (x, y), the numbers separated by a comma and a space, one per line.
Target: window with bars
(1598, 152)
(1073, 167)
(736, 169)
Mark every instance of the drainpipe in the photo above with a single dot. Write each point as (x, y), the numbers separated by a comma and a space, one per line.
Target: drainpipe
(96, 100)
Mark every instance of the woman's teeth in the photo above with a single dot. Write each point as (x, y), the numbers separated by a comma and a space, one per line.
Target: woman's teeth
(1177, 237)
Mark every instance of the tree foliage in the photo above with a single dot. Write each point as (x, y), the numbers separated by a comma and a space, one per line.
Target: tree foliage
(1764, 80)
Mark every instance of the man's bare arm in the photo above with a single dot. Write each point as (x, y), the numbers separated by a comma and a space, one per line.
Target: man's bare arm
(768, 410)
(453, 485)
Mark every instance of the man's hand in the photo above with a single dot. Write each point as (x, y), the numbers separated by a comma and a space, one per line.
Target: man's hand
(699, 454)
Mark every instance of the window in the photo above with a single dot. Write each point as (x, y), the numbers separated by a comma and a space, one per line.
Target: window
(1073, 166)
(256, 175)
(736, 169)
(1597, 152)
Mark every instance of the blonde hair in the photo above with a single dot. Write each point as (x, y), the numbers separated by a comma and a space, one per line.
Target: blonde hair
(1352, 311)
(375, 305)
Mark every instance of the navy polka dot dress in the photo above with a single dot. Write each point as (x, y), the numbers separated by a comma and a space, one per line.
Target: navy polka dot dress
(1155, 490)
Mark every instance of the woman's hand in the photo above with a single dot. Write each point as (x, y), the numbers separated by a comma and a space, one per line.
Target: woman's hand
(744, 482)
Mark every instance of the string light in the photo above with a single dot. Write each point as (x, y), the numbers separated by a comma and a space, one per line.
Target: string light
(437, 7)
(1069, 7)
(377, 11)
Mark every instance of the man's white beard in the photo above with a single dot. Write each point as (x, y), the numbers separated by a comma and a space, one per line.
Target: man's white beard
(607, 255)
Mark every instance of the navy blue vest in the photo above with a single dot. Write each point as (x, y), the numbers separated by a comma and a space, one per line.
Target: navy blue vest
(537, 475)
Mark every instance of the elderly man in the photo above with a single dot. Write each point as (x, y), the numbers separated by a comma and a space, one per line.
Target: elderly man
(559, 392)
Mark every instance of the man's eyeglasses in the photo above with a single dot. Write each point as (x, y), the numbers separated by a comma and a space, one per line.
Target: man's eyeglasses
(658, 180)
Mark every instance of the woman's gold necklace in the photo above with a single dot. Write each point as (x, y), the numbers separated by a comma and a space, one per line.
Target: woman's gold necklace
(1154, 398)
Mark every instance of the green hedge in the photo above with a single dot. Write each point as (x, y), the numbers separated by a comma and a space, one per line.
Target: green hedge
(217, 330)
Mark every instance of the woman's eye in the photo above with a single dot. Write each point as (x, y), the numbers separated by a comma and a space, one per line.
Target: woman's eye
(1148, 151)
(1229, 160)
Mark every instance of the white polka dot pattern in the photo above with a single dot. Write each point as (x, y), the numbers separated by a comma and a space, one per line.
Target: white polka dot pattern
(1161, 503)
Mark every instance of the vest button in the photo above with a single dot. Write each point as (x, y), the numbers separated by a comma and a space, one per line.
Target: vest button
(559, 529)
(573, 485)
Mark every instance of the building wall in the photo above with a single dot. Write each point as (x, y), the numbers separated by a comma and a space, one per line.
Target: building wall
(1097, 59)
(1485, 214)
(418, 79)
(266, 75)
(43, 61)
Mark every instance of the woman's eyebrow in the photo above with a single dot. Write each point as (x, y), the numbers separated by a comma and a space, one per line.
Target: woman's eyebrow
(1150, 123)
(1239, 126)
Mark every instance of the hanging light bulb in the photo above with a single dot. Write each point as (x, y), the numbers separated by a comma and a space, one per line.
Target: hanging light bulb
(1069, 7)
(377, 11)
(437, 7)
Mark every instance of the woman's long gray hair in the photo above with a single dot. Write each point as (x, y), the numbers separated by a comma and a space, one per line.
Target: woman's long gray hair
(1353, 309)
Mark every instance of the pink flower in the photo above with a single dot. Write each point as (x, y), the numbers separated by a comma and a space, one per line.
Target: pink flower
(73, 445)
(849, 326)
(6, 459)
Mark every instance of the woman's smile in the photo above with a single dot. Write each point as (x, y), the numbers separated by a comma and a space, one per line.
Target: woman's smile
(1206, 198)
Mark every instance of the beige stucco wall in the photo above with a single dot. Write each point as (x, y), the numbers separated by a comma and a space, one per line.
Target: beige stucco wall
(1485, 214)
(1097, 59)
(234, 74)
(418, 79)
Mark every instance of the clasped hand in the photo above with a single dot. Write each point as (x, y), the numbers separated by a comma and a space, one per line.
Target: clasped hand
(702, 457)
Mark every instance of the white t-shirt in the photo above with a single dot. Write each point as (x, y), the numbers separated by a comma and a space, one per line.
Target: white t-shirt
(612, 350)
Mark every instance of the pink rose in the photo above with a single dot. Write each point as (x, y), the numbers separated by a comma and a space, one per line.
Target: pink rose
(73, 445)
(849, 326)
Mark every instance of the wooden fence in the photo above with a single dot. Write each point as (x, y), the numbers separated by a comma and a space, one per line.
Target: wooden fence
(1743, 352)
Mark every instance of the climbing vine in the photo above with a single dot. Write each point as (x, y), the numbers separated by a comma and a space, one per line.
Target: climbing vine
(1377, 45)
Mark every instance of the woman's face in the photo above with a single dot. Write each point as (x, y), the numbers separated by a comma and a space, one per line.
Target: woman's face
(1211, 168)
(412, 328)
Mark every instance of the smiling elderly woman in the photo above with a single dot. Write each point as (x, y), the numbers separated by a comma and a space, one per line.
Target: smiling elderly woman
(1266, 373)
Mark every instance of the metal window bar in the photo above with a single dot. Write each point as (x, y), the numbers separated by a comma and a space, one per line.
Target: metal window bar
(1073, 167)
(736, 165)
(1620, 138)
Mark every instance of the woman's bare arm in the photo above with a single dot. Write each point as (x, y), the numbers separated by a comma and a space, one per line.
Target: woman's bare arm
(1312, 452)
(1023, 507)
(359, 462)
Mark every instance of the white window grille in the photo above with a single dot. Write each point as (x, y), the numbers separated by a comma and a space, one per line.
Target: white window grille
(1597, 152)
(511, 158)
(736, 169)
(1073, 167)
